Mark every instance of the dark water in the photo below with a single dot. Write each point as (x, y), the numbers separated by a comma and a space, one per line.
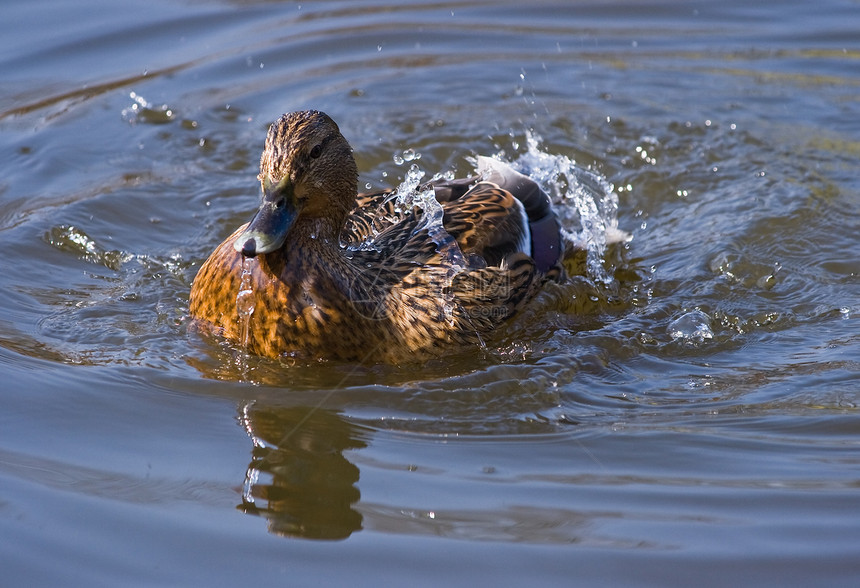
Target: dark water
(690, 419)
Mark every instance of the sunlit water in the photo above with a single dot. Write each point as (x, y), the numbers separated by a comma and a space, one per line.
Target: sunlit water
(684, 410)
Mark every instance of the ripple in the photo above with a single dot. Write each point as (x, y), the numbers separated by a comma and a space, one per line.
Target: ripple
(71, 239)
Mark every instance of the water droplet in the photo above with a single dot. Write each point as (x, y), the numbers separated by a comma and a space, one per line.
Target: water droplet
(691, 328)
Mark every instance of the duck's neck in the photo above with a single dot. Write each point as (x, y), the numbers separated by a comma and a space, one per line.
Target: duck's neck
(313, 241)
(313, 232)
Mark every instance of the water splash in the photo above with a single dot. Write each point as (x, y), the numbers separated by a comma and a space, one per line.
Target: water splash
(409, 194)
(245, 302)
(74, 240)
(581, 198)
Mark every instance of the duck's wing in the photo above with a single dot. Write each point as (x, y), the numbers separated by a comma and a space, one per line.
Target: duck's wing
(546, 247)
(372, 214)
(489, 220)
(492, 221)
(488, 223)
(456, 284)
(479, 265)
(480, 226)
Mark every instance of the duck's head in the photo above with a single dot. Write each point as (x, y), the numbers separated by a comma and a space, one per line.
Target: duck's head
(307, 173)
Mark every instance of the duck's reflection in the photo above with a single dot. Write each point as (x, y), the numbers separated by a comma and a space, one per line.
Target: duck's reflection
(298, 477)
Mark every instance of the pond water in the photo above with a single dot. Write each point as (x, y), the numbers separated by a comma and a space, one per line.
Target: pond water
(685, 412)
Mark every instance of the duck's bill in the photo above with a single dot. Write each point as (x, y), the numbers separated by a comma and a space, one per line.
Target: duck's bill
(268, 230)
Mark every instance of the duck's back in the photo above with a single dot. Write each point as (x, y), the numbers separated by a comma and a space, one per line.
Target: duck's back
(492, 215)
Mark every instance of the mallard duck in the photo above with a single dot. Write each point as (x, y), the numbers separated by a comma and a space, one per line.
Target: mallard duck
(328, 274)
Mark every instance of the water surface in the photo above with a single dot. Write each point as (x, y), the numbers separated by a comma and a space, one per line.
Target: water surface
(685, 412)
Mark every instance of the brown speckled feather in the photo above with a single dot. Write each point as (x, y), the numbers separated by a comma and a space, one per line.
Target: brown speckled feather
(335, 275)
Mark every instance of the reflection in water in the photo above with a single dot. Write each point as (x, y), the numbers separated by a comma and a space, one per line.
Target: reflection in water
(298, 477)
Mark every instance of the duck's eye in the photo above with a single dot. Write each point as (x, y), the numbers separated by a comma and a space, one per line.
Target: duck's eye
(316, 151)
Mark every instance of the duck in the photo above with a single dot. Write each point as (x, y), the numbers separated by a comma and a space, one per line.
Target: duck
(322, 272)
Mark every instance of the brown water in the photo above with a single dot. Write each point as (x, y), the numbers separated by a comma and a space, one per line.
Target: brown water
(686, 414)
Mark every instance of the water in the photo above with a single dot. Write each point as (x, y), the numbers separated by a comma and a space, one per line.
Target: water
(685, 413)
(245, 302)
